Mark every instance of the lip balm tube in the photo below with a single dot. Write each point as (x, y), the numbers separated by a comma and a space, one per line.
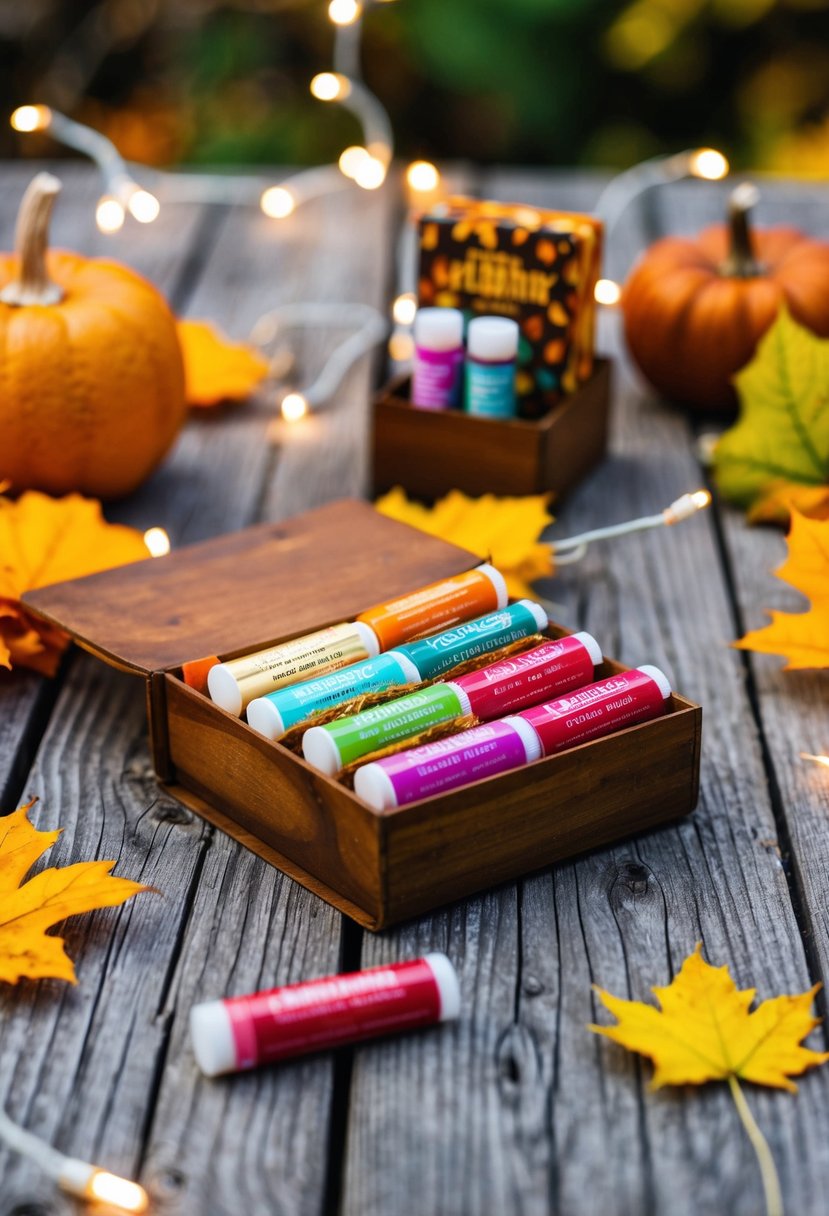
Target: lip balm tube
(600, 709)
(483, 751)
(276, 713)
(532, 676)
(234, 684)
(491, 350)
(490, 692)
(437, 606)
(435, 655)
(245, 1031)
(438, 358)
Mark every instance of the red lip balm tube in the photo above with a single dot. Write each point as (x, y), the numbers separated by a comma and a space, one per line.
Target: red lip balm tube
(599, 709)
(245, 1031)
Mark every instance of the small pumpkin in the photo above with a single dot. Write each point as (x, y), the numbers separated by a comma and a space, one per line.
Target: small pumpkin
(695, 309)
(91, 371)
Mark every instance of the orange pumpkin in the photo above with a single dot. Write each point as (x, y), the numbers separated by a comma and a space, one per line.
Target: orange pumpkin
(694, 310)
(91, 372)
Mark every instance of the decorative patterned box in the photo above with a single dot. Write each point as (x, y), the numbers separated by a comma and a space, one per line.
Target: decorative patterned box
(266, 584)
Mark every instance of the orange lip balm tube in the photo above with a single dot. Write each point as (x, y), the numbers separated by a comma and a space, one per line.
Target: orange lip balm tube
(438, 606)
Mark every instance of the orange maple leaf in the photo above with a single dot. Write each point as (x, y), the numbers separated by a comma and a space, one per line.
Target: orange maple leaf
(803, 637)
(28, 909)
(47, 540)
(776, 503)
(215, 368)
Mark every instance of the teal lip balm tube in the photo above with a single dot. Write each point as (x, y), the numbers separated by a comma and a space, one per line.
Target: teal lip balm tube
(435, 655)
(276, 713)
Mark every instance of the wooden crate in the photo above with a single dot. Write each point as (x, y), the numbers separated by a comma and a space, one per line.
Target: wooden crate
(251, 589)
(429, 452)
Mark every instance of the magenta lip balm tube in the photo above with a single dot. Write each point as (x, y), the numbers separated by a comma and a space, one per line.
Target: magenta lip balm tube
(599, 709)
(483, 751)
(532, 676)
(438, 359)
(245, 1031)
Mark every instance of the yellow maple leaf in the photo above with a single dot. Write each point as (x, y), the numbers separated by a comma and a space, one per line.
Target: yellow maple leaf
(503, 530)
(217, 369)
(705, 1032)
(775, 504)
(28, 909)
(803, 637)
(47, 540)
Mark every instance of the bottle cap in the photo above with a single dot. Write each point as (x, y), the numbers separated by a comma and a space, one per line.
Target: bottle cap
(592, 647)
(659, 679)
(212, 1036)
(319, 749)
(265, 718)
(373, 784)
(493, 338)
(446, 978)
(438, 328)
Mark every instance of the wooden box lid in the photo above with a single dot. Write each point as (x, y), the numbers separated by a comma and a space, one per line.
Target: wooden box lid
(245, 590)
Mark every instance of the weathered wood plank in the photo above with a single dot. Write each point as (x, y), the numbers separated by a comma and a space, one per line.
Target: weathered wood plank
(519, 1103)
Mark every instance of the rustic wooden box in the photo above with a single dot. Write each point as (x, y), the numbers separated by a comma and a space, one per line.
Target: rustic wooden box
(429, 452)
(250, 589)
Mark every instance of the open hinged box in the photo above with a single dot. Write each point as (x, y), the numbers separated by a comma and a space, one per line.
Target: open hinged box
(430, 452)
(250, 589)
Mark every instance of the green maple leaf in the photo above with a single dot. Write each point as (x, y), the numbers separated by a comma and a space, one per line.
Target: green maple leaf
(782, 434)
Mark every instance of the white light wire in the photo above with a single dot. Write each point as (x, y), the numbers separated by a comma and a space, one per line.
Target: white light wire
(573, 548)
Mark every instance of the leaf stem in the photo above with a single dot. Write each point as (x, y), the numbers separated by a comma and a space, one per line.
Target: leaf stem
(768, 1170)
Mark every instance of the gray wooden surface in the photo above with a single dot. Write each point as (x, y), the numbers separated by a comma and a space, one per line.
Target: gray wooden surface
(516, 1108)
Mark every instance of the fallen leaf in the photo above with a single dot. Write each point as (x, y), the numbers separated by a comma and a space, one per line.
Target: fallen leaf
(28, 909)
(776, 502)
(803, 637)
(783, 429)
(703, 1030)
(503, 530)
(217, 369)
(47, 540)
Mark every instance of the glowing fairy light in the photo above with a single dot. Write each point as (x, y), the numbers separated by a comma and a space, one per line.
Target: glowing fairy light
(157, 542)
(709, 164)
(143, 206)
(573, 548)
(277, 202)
(607, 292)
(370, 174)
(118, 1192)
(401, 347)
(330, 86)
(352, 158)
(824, 760)
(294, 407)
(109, 214)
(30, 118)
(344, 12)
(422, 176)
(404, 308)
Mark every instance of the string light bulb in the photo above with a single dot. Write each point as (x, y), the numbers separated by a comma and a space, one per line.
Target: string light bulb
(401, 346)
(143, 206)
(422, 176)
(404, 308)
(370, 173)
(344, 12)
(573, 548)
(87, 1181)
(351, 159)
(294, 406)
(109, 214)
(607, 292)
(824, 760)
(330, 86)
(277, 202)
(30, 118)
(157, 542)
(709, 164)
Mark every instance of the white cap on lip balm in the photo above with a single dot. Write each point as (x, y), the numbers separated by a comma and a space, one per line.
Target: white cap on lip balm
(498, 581)
(213, 1044)
(446, 978)
(659, 678)
(493, 338)
(438, 328)
(592, 647)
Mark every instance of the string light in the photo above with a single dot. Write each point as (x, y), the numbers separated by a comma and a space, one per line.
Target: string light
(30, 118)
(330, 86)
(72, 1175)
(344, 12)
(157, 542)
(824, 760)
(422, 176)
(352, 158)
(573, 548)
(709, 164)
(370, 173)
(401, 346)
(607, 292)
(404, 308)
(109, 214)
(143, 206)
(294, 407)
(277, 202)
(619, 193)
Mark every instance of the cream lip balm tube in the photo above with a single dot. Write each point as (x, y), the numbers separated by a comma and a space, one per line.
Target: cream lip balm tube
(245, 1031)
(234, 684)
(491, 692)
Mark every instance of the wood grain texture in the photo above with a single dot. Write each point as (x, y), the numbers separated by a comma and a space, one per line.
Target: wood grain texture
(543, 1116)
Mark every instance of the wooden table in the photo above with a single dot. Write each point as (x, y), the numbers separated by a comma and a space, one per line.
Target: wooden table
(516, 1108)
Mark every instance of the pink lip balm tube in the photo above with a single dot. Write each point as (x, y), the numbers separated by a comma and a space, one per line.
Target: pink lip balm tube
(245, 1031)
(532, 676)
(483, 751)
(600, 709)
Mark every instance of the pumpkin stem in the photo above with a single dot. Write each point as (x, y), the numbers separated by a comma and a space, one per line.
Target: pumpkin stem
(33, 285)
(741, 262)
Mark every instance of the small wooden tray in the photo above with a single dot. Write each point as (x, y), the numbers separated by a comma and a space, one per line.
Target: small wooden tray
(250, 589)
(429, 452)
